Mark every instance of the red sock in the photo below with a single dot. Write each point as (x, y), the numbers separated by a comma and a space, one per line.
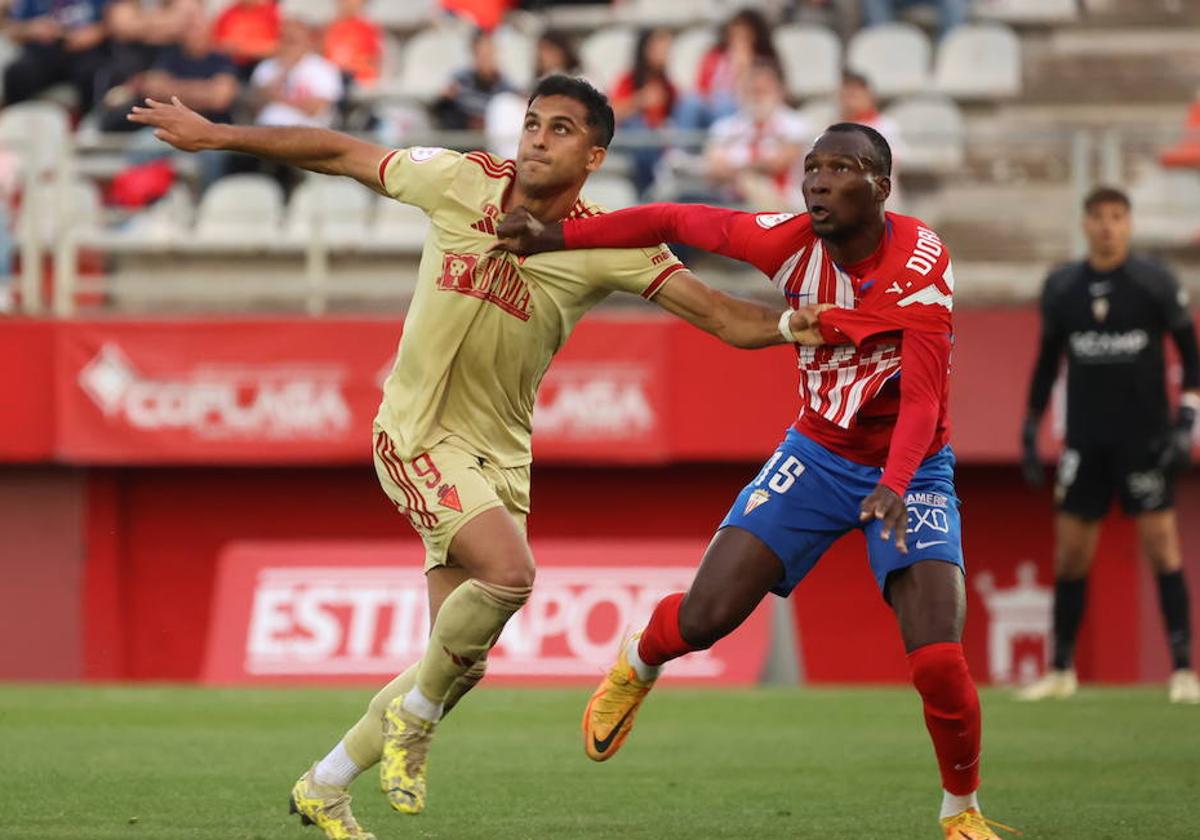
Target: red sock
(940, 674)
(661, 640)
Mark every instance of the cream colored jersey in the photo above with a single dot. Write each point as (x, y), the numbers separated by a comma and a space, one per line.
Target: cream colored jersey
(482, 327)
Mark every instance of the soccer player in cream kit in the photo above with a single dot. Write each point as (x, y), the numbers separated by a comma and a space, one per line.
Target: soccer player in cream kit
(452, 436)
(1109, 314)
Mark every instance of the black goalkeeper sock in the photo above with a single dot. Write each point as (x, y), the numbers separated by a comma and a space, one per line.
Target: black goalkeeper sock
(1070, 596)
(1173, 598)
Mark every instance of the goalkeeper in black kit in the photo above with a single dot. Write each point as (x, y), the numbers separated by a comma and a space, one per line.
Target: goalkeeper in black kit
(1110, 314)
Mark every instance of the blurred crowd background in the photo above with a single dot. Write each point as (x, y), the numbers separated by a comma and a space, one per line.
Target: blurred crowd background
(1001, 114)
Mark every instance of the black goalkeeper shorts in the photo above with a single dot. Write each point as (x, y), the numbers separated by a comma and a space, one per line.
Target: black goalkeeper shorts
(1088, 477)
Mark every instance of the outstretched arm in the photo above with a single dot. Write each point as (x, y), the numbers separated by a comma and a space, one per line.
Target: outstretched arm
(738, 322)
(731, 233)
(314, 149)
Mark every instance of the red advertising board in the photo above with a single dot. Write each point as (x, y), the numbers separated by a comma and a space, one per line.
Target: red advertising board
(624, 389)
(357, 611)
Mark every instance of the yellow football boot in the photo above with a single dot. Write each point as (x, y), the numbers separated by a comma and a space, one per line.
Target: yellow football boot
(327, 807)
(406, 740)
(609, 715)
(971, 825)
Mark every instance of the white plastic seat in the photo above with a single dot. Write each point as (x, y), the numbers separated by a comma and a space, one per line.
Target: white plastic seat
(606, 54)
(812, 59)
(1027, 11)
(932, 133)
(819, 114)
(77, 208)
(672, 13)
(687, 52)
(979, 61)
(1167, 205)
(38, 132)
(401, 14)
(430, 59)
(612, 192)
(312, 12)
(894, 57)
(399, 226)
(517, 55)
(241, 209)
(335, 209)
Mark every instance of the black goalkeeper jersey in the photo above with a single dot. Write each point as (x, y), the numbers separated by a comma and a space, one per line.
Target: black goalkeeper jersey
(1111, 326)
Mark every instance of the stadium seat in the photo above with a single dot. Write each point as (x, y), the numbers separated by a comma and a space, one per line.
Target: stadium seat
(606, 54)
(38, 132)
(1166, 206)
(672, 13)
(812, 59)
(1027, 11)
(399, 226)
(76, 208)
(612, 192)
(517, 52)
(401, 14)
(240, 210)
(430, 59)
(895, 57)
(336, 209)
(979, 61)
(312, 12)
(687, 51)
(931, 132)
(819, 114)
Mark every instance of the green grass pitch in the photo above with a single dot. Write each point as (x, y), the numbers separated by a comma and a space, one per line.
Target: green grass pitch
(93, 763)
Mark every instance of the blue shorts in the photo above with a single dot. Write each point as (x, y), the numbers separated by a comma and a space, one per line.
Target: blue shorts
(806, 497)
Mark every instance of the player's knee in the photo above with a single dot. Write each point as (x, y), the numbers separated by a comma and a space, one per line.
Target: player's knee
(517, 574)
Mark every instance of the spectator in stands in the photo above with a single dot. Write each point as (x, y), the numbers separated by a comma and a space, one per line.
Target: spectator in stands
(643, 99)
(951, 13)
(1186, 153)
(296, 86)
(556, 53)
(857, 104)
(464, 103)
(61, 41)
(248, 31)
(205, 79)
(484, 14)
(354, 43)
(753, 156)
(745, 39)
(139, 30)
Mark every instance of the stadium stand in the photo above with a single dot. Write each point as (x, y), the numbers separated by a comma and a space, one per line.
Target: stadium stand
(977, 144)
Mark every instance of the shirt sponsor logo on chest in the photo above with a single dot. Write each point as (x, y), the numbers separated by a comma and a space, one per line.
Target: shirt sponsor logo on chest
(495, 280)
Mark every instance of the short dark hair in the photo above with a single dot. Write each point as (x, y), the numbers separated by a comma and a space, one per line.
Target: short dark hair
(1105, 195)
(882, 150)
(850, 77)
(599, 113)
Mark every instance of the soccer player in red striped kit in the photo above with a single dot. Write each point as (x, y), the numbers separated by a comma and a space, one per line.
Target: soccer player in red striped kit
(869, 450)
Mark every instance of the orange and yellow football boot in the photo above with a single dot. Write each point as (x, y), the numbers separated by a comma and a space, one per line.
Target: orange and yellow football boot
(971, 825)
(609, 715)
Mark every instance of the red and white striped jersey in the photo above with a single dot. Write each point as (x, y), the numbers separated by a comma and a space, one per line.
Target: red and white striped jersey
(894, 311)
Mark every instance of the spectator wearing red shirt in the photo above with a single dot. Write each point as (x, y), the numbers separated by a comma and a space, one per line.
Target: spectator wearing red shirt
(643, 99)
(249, 32)
(354, 43)
(745, 38)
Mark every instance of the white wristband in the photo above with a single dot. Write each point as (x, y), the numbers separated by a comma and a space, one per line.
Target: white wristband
(1190, 400)
(785, 327)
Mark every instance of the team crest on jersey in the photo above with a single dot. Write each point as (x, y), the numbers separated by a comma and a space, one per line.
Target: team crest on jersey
(448, 497)
(1100, 308)
(494, 280)
(766, 221)
(491, 210)
(420, 154)
(757, 499)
